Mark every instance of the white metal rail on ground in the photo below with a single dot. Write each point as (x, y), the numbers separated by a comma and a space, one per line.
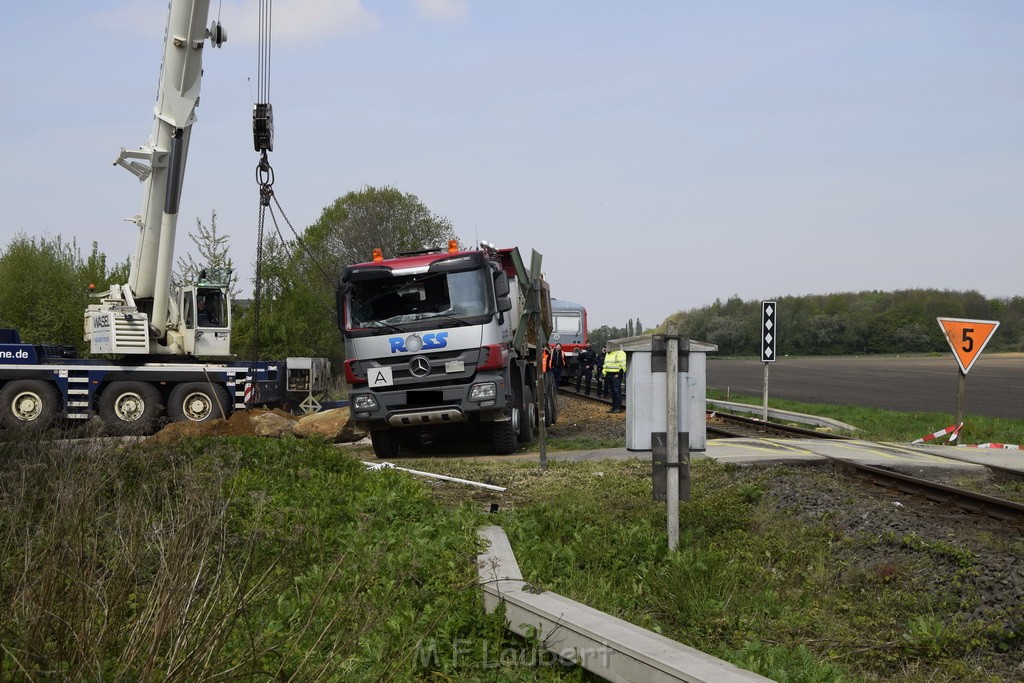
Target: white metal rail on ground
(600, 643)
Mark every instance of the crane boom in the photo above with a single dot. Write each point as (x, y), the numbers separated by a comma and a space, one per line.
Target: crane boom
(145, 304)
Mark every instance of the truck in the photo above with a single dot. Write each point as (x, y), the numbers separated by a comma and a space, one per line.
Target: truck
(166, 346)
(445, 341)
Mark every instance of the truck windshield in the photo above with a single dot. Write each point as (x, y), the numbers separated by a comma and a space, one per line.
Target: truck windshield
(449, 296)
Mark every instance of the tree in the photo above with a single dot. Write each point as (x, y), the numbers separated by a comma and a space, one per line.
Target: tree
(213, 252)
(44, 288)
(601, 335)
(299, 278)
(353, 226)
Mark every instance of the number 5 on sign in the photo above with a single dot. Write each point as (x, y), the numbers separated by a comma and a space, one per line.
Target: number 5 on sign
(967, 338)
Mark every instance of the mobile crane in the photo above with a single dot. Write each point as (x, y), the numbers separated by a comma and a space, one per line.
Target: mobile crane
(173, 340)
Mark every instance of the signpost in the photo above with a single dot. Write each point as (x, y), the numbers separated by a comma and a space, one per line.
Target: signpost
(768, 337)
(967, 339)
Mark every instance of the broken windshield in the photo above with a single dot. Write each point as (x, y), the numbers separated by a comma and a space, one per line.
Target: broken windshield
(447, 297)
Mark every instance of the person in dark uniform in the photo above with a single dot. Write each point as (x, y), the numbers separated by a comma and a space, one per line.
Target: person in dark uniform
(587, 358)
(602, 386)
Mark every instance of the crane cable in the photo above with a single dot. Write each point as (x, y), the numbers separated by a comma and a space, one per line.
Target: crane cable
(263, 141)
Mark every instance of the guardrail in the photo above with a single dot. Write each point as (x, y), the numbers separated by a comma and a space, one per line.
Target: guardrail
(600, 643)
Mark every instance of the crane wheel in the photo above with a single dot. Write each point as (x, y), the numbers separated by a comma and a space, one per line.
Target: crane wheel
(130, 407)
(198, 402)
(28, 405)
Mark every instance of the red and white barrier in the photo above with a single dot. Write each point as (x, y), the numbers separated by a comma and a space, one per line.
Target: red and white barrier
(954, 430)
(1003, 446)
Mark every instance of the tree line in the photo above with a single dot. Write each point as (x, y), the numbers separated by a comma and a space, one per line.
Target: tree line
(852, 323)
(44, 291)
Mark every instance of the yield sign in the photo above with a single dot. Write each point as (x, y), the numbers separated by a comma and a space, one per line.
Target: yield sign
(967, 338)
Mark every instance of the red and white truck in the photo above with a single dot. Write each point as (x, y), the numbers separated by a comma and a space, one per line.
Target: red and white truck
(445, 341)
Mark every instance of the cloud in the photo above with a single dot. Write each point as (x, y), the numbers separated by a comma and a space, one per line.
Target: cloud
(442, 9)
(306, 20)
(292, 20)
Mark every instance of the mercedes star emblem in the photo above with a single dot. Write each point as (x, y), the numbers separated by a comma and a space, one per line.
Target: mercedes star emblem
(419, 366)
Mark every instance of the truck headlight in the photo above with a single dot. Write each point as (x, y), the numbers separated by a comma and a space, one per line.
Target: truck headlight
(483, 391)
(364, 402)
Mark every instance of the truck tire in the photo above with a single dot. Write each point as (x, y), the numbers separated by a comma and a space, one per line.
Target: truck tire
(551, 409)
(130, 407)
(28, 404)
(528, 417)
(385, 443)
(198, 402)
(506, 440)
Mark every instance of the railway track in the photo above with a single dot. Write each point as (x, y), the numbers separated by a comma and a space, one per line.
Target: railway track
(729, 426)
(724, 425)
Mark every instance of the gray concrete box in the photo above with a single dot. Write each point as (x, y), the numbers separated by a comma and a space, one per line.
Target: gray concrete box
(647, 390)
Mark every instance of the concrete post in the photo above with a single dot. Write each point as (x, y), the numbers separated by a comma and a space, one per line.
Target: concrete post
(672, 434)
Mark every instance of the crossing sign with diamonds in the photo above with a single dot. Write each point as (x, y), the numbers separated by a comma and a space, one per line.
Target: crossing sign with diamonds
(768, 331)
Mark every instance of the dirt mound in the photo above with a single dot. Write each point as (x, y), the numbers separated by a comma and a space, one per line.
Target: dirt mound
(240, 423)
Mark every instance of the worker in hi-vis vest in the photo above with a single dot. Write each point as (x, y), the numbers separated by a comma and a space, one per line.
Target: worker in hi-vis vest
(614, 370)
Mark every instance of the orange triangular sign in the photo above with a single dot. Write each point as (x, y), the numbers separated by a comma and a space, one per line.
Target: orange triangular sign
(967, 338)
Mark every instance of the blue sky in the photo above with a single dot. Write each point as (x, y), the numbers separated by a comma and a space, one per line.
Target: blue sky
(659, 154)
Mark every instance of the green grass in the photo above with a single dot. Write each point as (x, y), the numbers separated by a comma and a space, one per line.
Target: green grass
(876, 424)
(793, 602)
(259, 559)
(236, 559)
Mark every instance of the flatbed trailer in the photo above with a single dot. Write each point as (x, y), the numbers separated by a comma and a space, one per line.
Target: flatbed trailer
(42, 384)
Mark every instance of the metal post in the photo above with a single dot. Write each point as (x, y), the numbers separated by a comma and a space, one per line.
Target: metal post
(961, 389)
(540, 340)
(764, 402)
(672, 434)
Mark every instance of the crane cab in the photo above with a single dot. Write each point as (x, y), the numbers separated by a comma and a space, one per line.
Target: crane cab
(205, 321)
(204, 315)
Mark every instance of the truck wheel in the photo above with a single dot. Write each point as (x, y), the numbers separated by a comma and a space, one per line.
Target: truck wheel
(552, 406)
(506, 440)
(130, 407)
(385, 443)
(528, 417)
(198, 402)
(28, 404)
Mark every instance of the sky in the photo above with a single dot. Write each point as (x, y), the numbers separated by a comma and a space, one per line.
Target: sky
(660, 154)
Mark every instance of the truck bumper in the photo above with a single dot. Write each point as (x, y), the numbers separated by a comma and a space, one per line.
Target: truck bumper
(437, 407)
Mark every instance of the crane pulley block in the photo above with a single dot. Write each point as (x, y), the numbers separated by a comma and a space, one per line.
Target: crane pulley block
(263, 127)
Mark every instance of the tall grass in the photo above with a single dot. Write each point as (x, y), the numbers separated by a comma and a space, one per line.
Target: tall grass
(230, 559)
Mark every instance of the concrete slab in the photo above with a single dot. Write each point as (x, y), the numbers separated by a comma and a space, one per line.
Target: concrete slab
(600, 643)
(766, 451)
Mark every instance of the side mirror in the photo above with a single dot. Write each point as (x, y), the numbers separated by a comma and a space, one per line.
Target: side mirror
(501, 286)
(504, 304)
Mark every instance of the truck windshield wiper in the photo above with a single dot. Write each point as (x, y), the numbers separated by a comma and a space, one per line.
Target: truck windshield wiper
(381, 323)
(449, 318)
